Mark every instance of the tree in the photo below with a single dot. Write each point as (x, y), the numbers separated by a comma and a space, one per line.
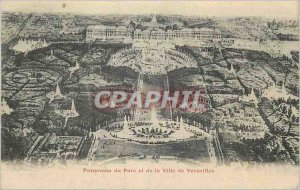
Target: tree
(290, 112)
(152, 130)
(284, 109)
(133, 130)
(293, 118)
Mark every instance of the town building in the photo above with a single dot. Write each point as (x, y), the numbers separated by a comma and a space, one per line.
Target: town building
(50, 146)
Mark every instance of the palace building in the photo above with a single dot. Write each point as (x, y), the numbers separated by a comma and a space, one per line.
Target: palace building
(151, 30)
(103, 32)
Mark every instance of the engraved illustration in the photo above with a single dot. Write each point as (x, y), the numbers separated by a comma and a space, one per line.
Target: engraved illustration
(110, 88)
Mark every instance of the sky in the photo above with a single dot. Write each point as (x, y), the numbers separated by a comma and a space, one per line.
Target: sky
(220, 8)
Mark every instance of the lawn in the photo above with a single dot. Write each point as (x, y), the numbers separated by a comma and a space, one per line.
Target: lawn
(193, 149)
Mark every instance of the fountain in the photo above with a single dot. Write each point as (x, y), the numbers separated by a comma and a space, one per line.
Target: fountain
(51, 52)
(56, 94)
(125, 123)
(153, 118)
(70, 113)
(232, 69)
(73, 111)
(57, 91)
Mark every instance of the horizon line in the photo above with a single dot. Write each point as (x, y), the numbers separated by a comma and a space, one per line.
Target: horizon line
(276, 9)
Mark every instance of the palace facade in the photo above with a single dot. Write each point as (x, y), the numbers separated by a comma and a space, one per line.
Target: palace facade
(103, 32)
(152, 31)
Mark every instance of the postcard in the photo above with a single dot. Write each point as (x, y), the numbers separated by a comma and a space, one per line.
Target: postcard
(149, 94)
